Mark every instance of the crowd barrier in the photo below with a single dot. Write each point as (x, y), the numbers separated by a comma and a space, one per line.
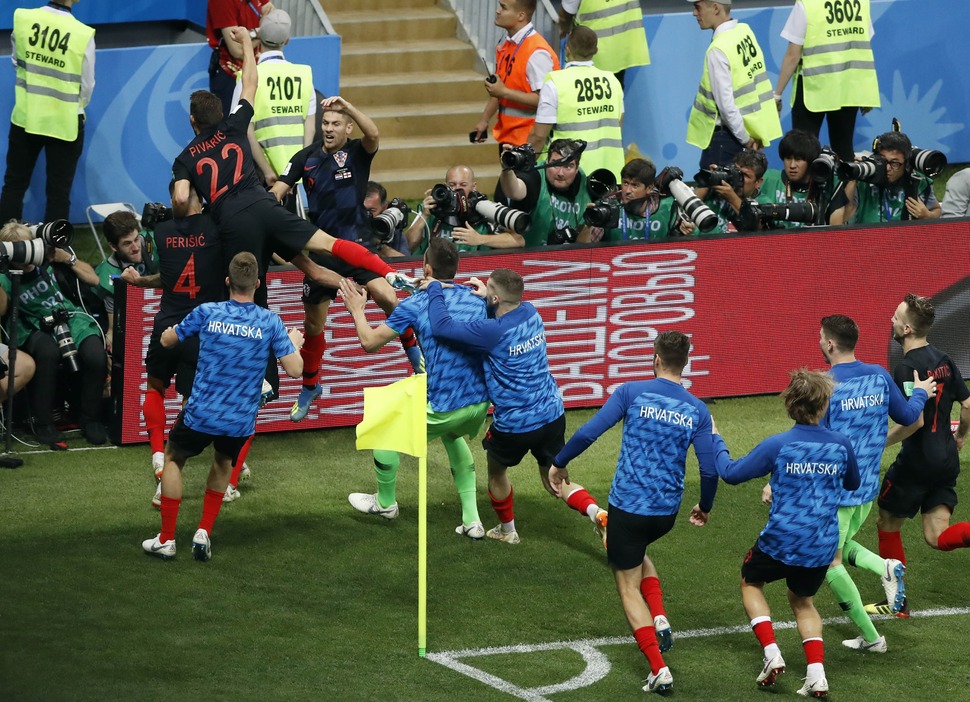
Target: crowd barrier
(751, 305)
(130, 11)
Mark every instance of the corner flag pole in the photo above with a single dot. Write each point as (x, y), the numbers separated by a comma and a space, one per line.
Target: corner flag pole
(422, 555)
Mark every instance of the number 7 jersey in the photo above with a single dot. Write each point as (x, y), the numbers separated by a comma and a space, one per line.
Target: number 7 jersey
(191, 267)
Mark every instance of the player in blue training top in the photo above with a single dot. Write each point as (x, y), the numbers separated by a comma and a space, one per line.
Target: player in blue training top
(863, 398)
(529, 413)
(660, 421)
(810, 466)
(235, 340)
(457, 398)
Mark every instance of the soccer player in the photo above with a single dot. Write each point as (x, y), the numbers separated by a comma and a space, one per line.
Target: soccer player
(923, 477)
(660, 421)
(863, 397)
(529, 413)
(235, 340)
(810, 466)
(457, 397)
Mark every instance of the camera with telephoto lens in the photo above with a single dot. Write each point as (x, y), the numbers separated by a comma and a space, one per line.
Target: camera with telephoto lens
(563, 235)
(731, 175)
(386, 223)
(670, 181)
(448, 201)
(870, 169)
(57, 324)
(771, 212)
(604, 213)
(55, 234)
(927, 161)
(154, 213)
(825, 165)
(480, 207)
(519, 158)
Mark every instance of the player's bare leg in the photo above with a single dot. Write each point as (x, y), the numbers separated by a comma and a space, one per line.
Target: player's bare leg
(640, 619)
(759, 614)
(500, 493)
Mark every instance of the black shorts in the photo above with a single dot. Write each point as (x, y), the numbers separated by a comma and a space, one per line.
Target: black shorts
(314, 293)
(904, 498)
(186, 443)
(759, 567)
(628, 535)
(509, 449)
(179, 360)
(264, 228)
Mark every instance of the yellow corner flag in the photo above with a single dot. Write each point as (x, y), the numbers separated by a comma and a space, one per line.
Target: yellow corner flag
(395, 417)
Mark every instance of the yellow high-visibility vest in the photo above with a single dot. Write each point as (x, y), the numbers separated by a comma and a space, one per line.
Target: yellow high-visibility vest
(618, 24)
(280, 109)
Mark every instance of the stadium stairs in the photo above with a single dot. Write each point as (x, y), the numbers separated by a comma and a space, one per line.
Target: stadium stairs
(403, 65)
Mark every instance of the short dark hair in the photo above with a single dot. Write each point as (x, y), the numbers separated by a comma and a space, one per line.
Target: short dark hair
(893, 141)
(442, 256)
(509, 283)
(373, 187)
(243, 272)
(565, 148)
(921, 314)
(673, 347)
(118, 224)
(582, 43)
(526, 6)
(753, 159)
(842, 330)
(639, 169)
(206, 109)
(799, 145)
(807, 395)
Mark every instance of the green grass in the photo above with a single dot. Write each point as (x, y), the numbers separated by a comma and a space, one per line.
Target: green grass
(305, 599)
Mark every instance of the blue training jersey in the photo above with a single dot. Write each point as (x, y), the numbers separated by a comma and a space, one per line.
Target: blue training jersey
(660, 420)
(865, 397)
(235, 340)
(455, 377)
(517, 374)
(809, 467)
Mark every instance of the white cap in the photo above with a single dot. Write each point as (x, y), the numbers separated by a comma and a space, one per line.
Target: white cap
(274, 28)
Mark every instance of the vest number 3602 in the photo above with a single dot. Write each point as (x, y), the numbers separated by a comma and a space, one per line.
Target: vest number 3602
(843, 11)
(589, 89)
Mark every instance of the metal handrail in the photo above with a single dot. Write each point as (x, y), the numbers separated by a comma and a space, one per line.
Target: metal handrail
(476, 21)
(308, 17)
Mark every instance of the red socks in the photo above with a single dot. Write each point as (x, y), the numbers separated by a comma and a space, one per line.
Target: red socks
(650, 589)
(814, 651)
(956, 536)
(170, 513)
(210, 509)
(240, 460)
(312, 353)
(359, 257)
(580, 500)
(891, 546)
(503, 508)
(154, 410)
(646, 637)
(765, 632)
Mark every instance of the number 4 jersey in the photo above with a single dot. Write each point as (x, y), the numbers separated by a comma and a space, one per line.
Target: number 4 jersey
(191, 266)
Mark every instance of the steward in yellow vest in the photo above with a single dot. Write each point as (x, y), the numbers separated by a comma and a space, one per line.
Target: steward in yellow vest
(619, 27)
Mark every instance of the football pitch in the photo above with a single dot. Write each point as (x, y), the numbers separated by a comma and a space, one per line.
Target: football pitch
(306, 599)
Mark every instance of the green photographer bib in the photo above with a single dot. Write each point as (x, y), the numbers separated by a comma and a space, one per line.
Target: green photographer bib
(40, 295)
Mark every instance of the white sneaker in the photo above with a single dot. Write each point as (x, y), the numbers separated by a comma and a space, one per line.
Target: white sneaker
(665, 638)
(158, 464)
(661, 682)
(818, 689)
(892, 583)
(157, 500)
(773, 667)
(231, 494)
(399, 281)
(245, 473)
(368, 504)
(154, 547)
(509, 537)
(860, 644)
(475, 530)
(201, 546)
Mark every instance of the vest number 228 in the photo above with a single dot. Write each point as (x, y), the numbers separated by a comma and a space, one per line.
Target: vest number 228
(589, 89)
(747, 50)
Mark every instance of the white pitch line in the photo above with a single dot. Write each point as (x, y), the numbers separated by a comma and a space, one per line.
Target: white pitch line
(80, 448)
(597, 665)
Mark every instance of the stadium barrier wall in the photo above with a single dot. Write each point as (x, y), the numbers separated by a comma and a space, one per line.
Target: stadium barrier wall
(751, 304)
(130, 11)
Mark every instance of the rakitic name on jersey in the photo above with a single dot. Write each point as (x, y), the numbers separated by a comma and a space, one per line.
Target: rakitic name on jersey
(852, 403)
(526, 346)
(234, 329)
(668, 416)
(812, 468)
(184, 242)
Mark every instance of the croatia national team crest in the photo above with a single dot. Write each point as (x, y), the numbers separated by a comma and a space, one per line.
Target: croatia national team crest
(341, 158)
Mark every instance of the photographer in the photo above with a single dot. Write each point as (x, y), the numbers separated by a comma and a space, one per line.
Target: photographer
(801, 181)
(375, 202)
(734, 186)
(44, 313)
(555, 198)
(643, 214)
(25, 371)
(894, 191)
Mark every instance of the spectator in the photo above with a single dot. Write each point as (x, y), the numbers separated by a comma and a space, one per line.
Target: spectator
(48, 112)
(285, 109)
(555, 198)
(895, 192)
(833, 77)
(41, 305)
(956, 200)
(594, 112)
(733, 108)
(643, 214)
(375, 202)
(522, 63)
(227, 52)
(623, 40)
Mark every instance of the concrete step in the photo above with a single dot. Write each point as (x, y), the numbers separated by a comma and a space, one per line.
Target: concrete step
(411, 183)
(406, 152)
(430, 23)
(407, 56)
(337, 6)
(407, 89)
(456, 118)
